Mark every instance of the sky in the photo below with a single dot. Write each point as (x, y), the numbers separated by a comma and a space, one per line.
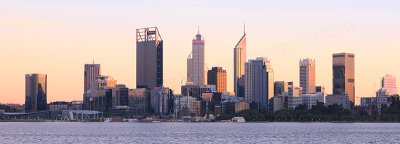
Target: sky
(58, 37)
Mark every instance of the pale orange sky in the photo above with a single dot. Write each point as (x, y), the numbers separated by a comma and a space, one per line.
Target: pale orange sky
(58, 37)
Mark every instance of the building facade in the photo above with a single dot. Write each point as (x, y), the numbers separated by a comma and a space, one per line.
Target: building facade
(91, 73)
(139, 100)
(307, 75)
(120, 96)
(35, 92)
(389, 84)
(259, 83)
(161, 100)
(149, 58)
(340, 99)
(217, 76)
(197, 61)
(344, 74)
(239, 62)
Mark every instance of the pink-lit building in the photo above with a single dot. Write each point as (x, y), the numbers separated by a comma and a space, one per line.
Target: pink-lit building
(389, 84)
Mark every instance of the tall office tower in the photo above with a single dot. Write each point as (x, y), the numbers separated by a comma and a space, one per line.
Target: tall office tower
(197, 61)
(389, 84)
(217, 76)
(35, 92)
(343, 75)
(259, 83)
(92, 71)
(307, 75)
(189, 69)
(239, 61)
(149, 58)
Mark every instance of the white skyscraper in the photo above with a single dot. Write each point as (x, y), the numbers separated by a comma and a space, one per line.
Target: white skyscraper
(259, 82)
(196, 74)
(389, 84)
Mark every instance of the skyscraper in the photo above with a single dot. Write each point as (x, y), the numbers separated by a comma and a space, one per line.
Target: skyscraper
(149, 58)
(92, 71)
(239, 62)
(35, 92)
(189, 69)
(217, 76)
(344, 74)
(389, 84)
(196, 62)
(307, 75)
(259, 83)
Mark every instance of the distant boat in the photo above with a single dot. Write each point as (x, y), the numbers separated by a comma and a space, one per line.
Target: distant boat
(107, 120)
(133, 120)
(156, 121)
(238, 119)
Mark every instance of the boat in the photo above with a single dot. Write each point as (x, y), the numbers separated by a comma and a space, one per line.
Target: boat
(239, 119)
(133, 120)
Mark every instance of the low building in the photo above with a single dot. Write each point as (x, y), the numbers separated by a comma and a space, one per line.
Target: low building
(294, 98)
(340, 99)
(239, 106)
(196, 107)
(161, 100)
(59, 105)
(309, 100)
(139, 100)
(373, 104)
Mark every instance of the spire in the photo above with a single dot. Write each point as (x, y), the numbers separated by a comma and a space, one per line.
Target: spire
(93, 60)
(198, 29)
(244, 27)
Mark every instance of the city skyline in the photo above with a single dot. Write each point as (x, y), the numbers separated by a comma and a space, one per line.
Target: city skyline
(68, 45)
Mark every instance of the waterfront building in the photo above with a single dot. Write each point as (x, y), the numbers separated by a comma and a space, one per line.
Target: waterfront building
(59, 105)
(344, 75)
(184, 104)
(35, 92)
(307, 75)
(91, 73)
(259, 83)
(104, 82)
(97, 99)
(239, 63)
(375, 103)
(161, 100)
(139, 100)
(120, 96)
(196, 107)
(294, 98)
(309, 100)
(196, 90)
(281, 101)
(340, 99)
(217, 76)
(149, 58)
(239, 106)
(196, 61)
(389, 84)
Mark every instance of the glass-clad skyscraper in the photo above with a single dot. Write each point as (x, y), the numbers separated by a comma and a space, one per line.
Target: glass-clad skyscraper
(149, 58)
(35, 92)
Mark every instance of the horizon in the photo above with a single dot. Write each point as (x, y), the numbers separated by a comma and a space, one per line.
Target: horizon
(58, 38)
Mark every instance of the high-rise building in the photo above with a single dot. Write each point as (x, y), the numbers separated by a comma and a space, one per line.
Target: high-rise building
(239, 62)
(92, 71)
(259, 83)
(307, 75)
(149, 58)
(189, 69)
(344, 74)
(389, 84)
(196, 62)
(217, 76)
(35, 92)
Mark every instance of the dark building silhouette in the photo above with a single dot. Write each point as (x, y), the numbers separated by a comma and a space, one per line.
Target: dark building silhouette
(35, 92)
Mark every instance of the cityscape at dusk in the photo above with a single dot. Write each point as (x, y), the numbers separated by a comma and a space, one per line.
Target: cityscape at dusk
(167, 61)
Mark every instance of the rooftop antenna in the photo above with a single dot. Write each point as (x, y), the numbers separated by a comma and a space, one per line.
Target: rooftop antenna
(198, 29)
(93, 60)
